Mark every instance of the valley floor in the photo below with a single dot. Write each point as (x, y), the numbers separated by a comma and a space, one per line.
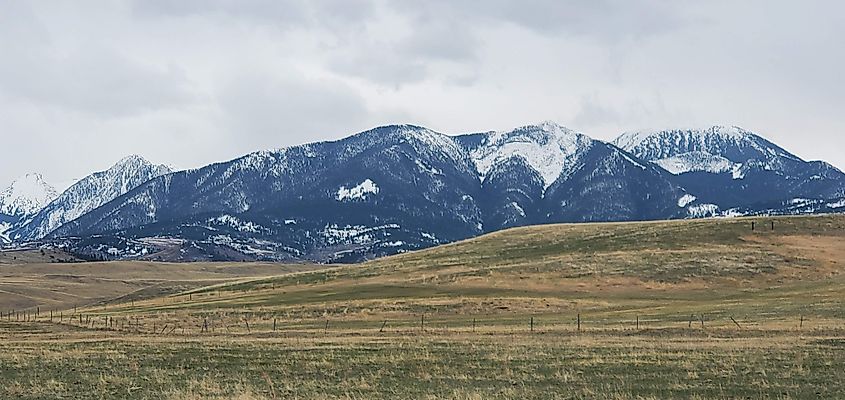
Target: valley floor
(44, 361)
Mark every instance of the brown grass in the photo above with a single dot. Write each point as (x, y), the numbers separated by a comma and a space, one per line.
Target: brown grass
(477, 298)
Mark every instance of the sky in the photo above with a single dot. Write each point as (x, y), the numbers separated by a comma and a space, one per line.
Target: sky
(191, 82)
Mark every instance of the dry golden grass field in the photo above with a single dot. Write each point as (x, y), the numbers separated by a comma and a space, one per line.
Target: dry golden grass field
(654, 310)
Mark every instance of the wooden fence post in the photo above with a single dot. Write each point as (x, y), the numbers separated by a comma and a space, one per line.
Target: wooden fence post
(736, 323)
(578, 319)
(532, 324)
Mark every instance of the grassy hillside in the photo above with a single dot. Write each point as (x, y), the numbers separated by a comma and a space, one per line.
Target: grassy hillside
(681, 309)
(29, 282)
(662, 272)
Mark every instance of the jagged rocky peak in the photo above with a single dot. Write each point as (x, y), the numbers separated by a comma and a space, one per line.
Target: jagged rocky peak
(701, 137)
(26, 195)
(716, 149)
(87, 194)
(130, 172)
(731, 142)
(548, 147)
(134, 162)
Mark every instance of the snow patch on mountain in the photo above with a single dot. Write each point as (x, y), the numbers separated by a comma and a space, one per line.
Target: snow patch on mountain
(4, 232)
(737, 172)
(696, 161)
(428, 169)
(549, 148)
(357, 234)
(237, 224)
(519, 210)
(703, 210)
(686, 200)
(26, 195)
(799, 201)
(837, 204)
(360, 191)
(633, 161)
(429, 236)
(733, 213)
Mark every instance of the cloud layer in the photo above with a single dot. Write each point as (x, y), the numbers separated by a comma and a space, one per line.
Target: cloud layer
(191, 82)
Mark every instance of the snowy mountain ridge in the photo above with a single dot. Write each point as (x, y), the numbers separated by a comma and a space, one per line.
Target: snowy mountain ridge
(729, 167)
(736, 144)
(87, 194)
(549, 148)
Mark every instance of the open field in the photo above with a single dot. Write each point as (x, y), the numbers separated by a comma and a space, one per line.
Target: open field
(681, 309)
(36, 283)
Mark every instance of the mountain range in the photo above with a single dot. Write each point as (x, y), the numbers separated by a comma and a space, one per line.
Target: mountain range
(402, 187)
(33, 209)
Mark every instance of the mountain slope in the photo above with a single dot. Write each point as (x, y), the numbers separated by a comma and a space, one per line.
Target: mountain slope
(387, 190)
(548, 148)
(547, 173)
(731, 167)
(87, 194)
(608, 184)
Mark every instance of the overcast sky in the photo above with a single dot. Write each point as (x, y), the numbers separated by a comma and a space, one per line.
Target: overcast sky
(189, 82)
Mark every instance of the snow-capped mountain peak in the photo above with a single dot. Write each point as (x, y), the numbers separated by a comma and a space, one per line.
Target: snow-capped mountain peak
(633, 139)
(548, 147)
(87, 194)
(716, 149)
(26, 195)
(424, 142)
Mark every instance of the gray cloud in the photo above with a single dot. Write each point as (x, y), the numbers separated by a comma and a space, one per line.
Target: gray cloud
(601, 19)
(277, 111)
(97, 81)
(333, 14)
(190, 82)
(104, 80)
